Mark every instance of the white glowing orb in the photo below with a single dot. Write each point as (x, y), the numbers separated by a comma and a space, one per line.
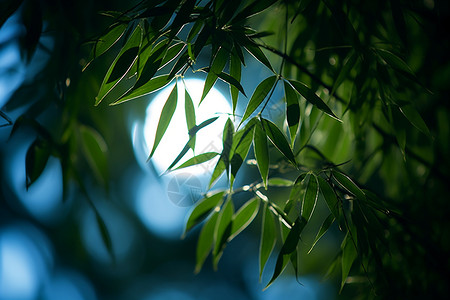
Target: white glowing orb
(209, 139)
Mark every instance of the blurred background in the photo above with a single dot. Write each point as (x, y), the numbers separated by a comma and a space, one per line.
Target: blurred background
(51, 241)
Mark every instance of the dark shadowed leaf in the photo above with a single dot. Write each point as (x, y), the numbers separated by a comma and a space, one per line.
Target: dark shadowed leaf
(36, 160)
(242, 140)
(235, 72)
(217, 66)
(106, 238)
(329, 196)
(257, 53)
(166, 116)
(312, 98)
(323, 229)
(252, 9)
(310, 196)
(261, 150)
(205, 241)
(278, 139)
(349, 255)
(244, 216)
(414, 117)
(202, 209)
(292, 110)
(233, 82)
(121, 64)
(258, 96)
(268, 238)
(349, 185)
(223, 230)
(349, 63)
(172, 53)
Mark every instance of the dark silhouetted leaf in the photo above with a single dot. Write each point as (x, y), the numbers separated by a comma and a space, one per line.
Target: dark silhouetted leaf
(349, 63)
(36, 160)
(258, 96)
(242, 140)
(414, 117)
(278, 140)
(233, 82)
(121, 64)
(252, 9)
(235, 72)
(106, 238)
(349, 255)
(202, 209)
(292, 110)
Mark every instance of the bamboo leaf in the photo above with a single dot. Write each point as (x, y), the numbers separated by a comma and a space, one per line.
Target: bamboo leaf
(312, 98)
(94, 149)
(292, 110)
(235, 72)
(310, 196)
(36, 160)
(329, 196)
(244, 216)
(278, 140)
(258, 96)
(261, 151)
(414, 117)
(323, 229)
(349, 255)
(217, 65)
(190, 115)
(199, 159)
(268, 238)
(349, 185)
(202, 209)
(166, 116)
(205, 241)
(223, 230)
(151, 86)
(279, 182)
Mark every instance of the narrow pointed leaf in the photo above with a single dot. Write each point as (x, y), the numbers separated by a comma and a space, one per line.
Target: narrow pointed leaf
(244, 216)
(172, 53)
(106, 238)
(258, 96)
(242, 140)
(235, 72)
(218, 170)
(268, 238)
(349, 255)
(216, 68)
(394, 61)
(278, 140)
(166, 116)
(202, 209)
(312, 98)
(203, 124)
(310, 197)
(151, 86)
(261, 151)
(257, 53)
(231, 81)
(349, 63)
(323, 229)
(190, 115)
(223, 230)
(414, 117)
(199, 159)
(292, 110)
(121, 64)
(349, 185)
(329, 196)
(289, 246)
(205, 241)
(279, 182)
(180, 155)
(94, 149)
(36, 160)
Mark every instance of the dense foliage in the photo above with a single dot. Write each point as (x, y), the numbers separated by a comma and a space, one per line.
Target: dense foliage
(364, 126)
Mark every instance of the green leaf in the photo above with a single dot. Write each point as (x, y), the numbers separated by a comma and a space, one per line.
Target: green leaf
(224, 160)
(166, 116)
(195, 30)
(349, 185)
(279, 182)
(329, 196)
(205, 241)
(289, 246)
(190, 115)
(121, 64)
(233, 82)
(36, 160)
(323, 229)
(151, 86)
(94, 149)
(268, 238)
(203, 124)
(105, 42)
(258, 96)
(310, 196)
(296, 195)
(198, 159)
(172, 53)
(242, 140)
(394, 61)
(414, 117)
(278, 140)
(349, 255)
(217, 65)
(349, 63)
(149, 63)
(292, 110)
(252, 9)
(312, 98)
(261, 151)
(244, 216)
(223, 230)
(202, 209)
(235, 72)
(218, 170)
